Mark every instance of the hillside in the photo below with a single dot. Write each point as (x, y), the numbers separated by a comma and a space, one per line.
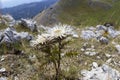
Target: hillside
(81, 12)
(86, 47)
(28, 10)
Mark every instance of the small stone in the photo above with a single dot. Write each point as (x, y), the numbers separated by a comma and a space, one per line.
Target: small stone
(94, 65)
(92, 49)
(90, 53)
(101, 27)
(75, 36)
(108, 55)
(84, 72)
(2, 70)
(93, 53)
(86, 63)
(118, 48)
(92, 46)
(103, 40)
(105, 68)
(62, 54)
(88, 49)
(87, 53)
(109, 60)
(3, 78)
(2, 58)
(16, 78)
(88, 34)
(32, 58)
(82, 49)
(98, 57)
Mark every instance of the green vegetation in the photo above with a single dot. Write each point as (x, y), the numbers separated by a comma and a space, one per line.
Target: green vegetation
(41, 67)
(34, 64)
(78, 13)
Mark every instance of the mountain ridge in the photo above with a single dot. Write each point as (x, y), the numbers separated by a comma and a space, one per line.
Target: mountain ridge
(28, 10)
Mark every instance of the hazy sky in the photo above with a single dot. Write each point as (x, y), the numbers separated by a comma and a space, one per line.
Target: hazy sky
(10, 3)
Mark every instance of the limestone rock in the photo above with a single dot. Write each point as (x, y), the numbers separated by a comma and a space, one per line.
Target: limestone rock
(101, 73)
(29, 23)
(10, 35)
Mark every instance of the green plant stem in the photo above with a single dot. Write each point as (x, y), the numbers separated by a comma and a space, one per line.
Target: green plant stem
(58, 61)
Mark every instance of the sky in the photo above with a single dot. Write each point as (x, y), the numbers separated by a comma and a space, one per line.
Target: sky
(11, 3)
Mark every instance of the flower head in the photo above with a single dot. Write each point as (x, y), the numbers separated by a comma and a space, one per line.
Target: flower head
(60, 31)
(53, 34)
(41, 39)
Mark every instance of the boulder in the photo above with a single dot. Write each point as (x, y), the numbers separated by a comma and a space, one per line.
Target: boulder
(87, 34)
(102, 33)
(10, 35)
(29, 23)
(8, 19)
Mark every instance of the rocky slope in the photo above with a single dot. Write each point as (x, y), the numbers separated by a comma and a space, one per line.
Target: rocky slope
(97, 47)
(92, 55)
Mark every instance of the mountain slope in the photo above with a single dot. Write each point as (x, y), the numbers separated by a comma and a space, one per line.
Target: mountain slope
(81, 12)
(28, 10)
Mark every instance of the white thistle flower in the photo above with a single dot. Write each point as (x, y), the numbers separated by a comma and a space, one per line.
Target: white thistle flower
(60, 31)
(41, 39)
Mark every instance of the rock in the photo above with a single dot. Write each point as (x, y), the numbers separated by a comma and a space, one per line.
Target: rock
(102, 33)
(88, 50)
(92, 46)
(113, 33)
(91, 28)
(2, 70)
(101, 73)
(101, 27)
(29, 23)
(109, 60)
(75, 36)
(108, 55)
(84, 72)
(2, 58)
(33, 57)
(82, 49)
(16, 78)
(8, 17)
(103, 40)
(98, 57)
(10, 35)
(90, 53)
(3, 78)
(87, 34)
(94, 65)
(117, 46)
(62, 54)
